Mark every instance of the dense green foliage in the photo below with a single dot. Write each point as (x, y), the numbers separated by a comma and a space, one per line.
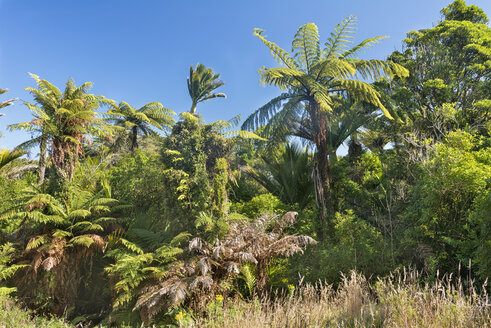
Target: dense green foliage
(127, 226)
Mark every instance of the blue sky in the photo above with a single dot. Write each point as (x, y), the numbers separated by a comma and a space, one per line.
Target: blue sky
(140, 51)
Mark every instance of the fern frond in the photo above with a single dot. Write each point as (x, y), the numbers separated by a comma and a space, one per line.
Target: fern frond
(243, 134)
(280, 55)
(365, 44)
(342, 35)
(262, 115)
(362, 91)
(280, 76)
(179, 239)
(306, 46)
(6, 291)
(37, 241)
(131, 246)
(7, 272)
(83, 240)
(248, 275)
(61, 233)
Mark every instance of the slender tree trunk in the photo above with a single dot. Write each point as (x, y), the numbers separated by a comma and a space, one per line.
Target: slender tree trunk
(322, 173)
(134, 135)
(193, 107)
(43, 146)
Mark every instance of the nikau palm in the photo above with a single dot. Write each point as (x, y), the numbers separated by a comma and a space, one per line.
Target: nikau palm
(6, 102)
(7, 156)
(287, 176)
(201, 82)
(143, 119)
(316, 79)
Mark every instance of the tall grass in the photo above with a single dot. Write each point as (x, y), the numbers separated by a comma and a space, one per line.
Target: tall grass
(400, 300)
(397, 301)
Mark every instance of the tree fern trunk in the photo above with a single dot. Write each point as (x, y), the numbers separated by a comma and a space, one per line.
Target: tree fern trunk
(322, 173)
(134, 135)
(43, 147)
(262, 276)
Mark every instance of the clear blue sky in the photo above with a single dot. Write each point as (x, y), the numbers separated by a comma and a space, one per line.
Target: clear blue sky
(140, 51)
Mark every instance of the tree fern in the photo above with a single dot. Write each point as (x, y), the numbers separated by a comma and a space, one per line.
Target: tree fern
(337, 44)
(248, 276)
(7, 270)
(205, 267)
(313, 79)
(141, 120)
(306, 46)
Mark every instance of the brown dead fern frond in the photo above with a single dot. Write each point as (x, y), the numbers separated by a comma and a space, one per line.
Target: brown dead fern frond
(207, 270)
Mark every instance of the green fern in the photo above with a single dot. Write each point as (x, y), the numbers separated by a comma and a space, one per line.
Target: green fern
(337, 44)
(85, 241)
(7, 270)
(248, 276)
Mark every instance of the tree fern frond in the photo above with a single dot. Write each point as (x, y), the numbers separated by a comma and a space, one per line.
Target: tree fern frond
(306, 46)
(37, 241)
(280, 55)
(179, 239)
(7, 272)
(362, 91)
(61, 233)
(86, 226)
(337, 43)
(333, 67)
(131, 246)
(262, 115)
(83, 240)
(243, 134)
(365, 44)
(281, 76)
(248, 275)
(234, 121)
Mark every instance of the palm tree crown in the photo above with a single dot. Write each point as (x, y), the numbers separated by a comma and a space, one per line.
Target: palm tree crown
(6, 103)
(201, 82)
(7, 156)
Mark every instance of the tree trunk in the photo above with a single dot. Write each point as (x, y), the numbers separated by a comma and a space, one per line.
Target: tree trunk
(134, 135)
(193, 108)
(261, 276)
(43, 146)
(322, 172)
